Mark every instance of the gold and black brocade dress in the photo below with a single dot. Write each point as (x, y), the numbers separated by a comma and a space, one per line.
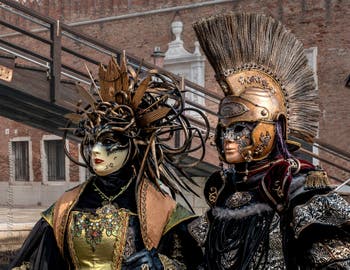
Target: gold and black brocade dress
(101, 240)
(102, 236)
(99, 235)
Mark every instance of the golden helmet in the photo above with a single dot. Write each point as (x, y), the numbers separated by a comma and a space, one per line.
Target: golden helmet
(263, 72)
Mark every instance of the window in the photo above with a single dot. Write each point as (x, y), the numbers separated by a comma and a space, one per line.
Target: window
(20, 156)
(54, 163)
(55, 160)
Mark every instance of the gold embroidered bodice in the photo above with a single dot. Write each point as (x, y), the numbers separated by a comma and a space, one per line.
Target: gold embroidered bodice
(97, 240)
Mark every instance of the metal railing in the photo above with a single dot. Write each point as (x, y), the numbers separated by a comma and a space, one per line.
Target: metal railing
(61, 42)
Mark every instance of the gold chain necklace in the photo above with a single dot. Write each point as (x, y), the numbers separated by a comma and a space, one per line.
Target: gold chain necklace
(110, 199)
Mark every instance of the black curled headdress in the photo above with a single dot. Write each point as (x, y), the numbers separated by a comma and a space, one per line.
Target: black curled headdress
(150, 112)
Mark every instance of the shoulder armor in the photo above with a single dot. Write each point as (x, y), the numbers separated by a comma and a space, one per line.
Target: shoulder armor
(48, 214)
(179, 215)
(329, 210)
(61, 212)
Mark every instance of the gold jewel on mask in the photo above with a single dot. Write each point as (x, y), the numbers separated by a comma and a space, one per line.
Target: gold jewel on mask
(109, 199)
(247, 155)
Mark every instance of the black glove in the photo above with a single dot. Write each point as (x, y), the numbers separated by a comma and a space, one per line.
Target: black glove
(143, 260)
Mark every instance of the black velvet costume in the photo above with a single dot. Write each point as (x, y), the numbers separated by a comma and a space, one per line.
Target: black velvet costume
(243, 230)
(268, 208)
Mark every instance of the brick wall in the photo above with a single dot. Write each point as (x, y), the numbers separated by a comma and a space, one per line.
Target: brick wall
(10, 129)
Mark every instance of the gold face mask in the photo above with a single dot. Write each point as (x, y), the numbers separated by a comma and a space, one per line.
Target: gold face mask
(256, 98)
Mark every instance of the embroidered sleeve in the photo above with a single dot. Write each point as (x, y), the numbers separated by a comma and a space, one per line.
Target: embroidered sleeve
(171, 264)
(199, 229)
(324, 218)
(330, 210)
(329, 252)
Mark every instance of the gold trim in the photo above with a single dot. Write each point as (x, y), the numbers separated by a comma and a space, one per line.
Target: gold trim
(62, 209)
(144, 266)
(72, 253)
(166, 262)
(142, 213)
(154, 209)
(118, 251)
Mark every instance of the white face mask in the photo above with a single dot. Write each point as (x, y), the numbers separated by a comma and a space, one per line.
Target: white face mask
(105, 161)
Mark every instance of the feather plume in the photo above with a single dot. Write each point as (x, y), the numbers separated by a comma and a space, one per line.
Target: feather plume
(74, 117)
(86, 95)
(139, 92)
(124, 74)
(108, 78)
(240, 41)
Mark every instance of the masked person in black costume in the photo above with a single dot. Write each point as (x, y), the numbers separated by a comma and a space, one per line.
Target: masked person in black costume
(269, 209)
(124, 216)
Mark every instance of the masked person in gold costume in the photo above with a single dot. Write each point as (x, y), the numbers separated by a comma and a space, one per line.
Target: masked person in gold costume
(125, 216)
(269, 209)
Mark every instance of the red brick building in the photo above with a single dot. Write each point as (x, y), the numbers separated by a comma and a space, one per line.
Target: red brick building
(139, 26)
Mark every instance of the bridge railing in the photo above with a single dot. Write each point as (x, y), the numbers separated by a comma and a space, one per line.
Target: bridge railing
(55, 45)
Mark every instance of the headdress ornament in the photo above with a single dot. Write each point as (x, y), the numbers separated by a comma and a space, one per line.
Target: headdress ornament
(262, 70)
(148, 112)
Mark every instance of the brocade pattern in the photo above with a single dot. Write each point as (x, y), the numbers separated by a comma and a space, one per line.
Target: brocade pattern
(238, 199)
(199, 229)
(329, 251)
(330, 209)
(97, 230)
(107, 219)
